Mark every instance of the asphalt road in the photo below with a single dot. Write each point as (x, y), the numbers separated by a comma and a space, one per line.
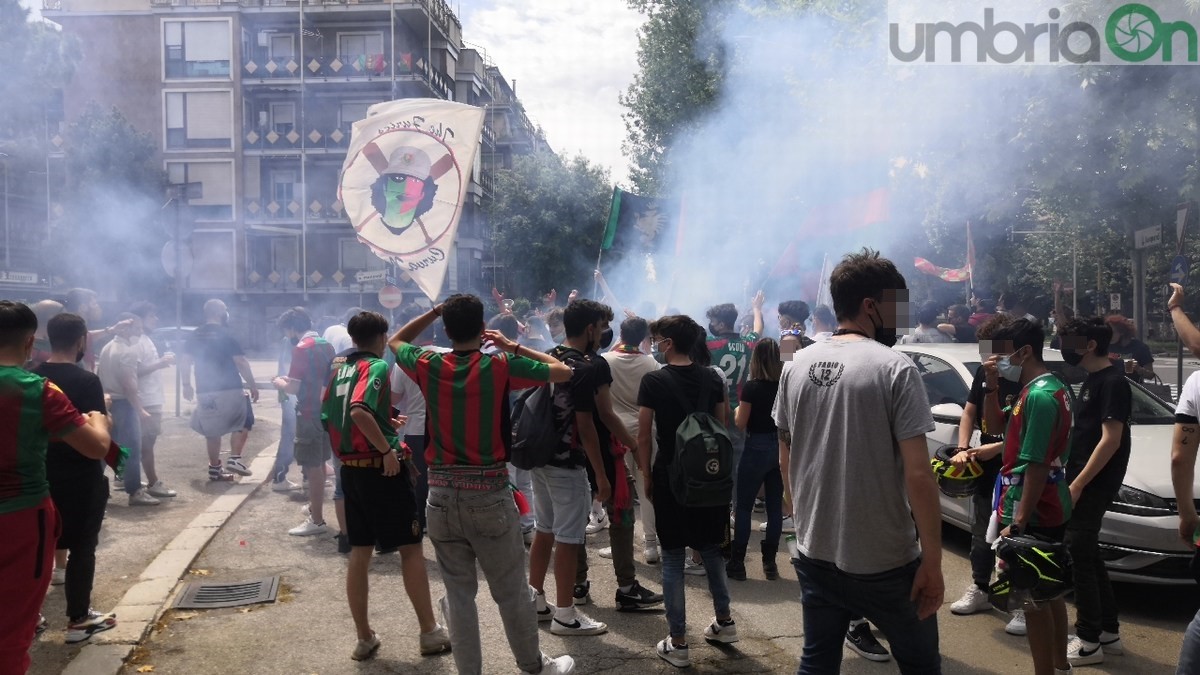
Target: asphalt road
(308, 630)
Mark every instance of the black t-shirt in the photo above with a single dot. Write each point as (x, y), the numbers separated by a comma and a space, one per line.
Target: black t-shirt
(1009, 392)
(1105, 395)
(577, 395)
(760, 394)
(965, 333)
(1135, 349)
(213, 349)
(64, 463)
(657, 393)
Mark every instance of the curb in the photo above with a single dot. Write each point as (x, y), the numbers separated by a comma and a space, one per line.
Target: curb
(145, 603)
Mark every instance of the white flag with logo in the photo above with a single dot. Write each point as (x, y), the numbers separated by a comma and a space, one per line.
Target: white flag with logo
(405, 179)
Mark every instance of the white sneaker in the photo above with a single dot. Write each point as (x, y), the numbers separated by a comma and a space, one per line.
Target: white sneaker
(723, 633)
(676, 656)
(544, 611)
(597, 523)
(1083, 653)
(58, 577)
(161, 490)
(1016, 625)
(972, 601)
(142, 498)
(652, 554)
(606, 553)
(435, 641)
(582, 625)
(528, 536)
(236, 466)
(789, 525)
(365, 649)
(284, 486)
(694, 568)
(1111, 642)
(563, 665)
(308, 529)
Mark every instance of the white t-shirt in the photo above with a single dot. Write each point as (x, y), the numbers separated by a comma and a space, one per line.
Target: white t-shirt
(118, 356)
(150, 386)
(408, 399)
(627, 373)
(1189, 397)
(339, 337)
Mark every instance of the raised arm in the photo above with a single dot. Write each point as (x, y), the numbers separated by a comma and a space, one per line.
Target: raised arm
(1188, 334)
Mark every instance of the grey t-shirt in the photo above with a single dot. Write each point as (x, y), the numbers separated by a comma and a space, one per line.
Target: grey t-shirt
(847, 403)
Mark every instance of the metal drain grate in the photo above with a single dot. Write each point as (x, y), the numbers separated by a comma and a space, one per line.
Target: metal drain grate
(211, 595)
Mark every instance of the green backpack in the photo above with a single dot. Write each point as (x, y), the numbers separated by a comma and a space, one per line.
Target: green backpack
(701, 472)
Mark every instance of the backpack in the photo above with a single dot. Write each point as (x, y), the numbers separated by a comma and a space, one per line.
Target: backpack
(534, 432)
(701, 472)
(535, 436)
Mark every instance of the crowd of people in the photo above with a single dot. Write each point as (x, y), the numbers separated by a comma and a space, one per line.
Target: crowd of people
(518, 437)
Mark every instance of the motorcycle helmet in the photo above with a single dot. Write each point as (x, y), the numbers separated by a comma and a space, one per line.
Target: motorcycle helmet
(954, 480)
(1035, 569)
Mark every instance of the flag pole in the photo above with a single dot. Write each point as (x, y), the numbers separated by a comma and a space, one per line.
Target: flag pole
(970, 264)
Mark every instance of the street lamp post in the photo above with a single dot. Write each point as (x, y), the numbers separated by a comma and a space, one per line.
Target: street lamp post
(7, 225)
(177, 194)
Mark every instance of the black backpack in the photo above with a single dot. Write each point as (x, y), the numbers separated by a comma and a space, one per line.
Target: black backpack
(534, 433)
(535, 436)
(701, 472)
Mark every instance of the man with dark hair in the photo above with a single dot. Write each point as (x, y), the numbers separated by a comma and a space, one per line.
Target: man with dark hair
(1100, 444)
(823, 322)
(77, 482)
(957, 325)
(629, 364)
(703, 529)
(792, 314)
(983, 558)
(306, 379)
(562, 495)
(1012, 305)
(852, 417)
(985, 308)
(37, 411)
(377, 477)
(927, 330)
(221, 406)
(118, 368)
(150, 390)
(1036, 449)
(471, 513)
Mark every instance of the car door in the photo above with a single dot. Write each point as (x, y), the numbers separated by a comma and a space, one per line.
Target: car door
(944, 385)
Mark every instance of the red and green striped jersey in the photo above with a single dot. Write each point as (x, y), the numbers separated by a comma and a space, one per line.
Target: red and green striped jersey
(1038, 432)
(312, 359)
(33, 411)
(466, 394)
(359, 380)
(731, 355)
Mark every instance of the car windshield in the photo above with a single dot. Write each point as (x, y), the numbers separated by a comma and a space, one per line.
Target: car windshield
(1146, 408)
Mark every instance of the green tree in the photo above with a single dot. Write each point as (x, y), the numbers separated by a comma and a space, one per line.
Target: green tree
(548, 218)
(113, 218)
(38, 62)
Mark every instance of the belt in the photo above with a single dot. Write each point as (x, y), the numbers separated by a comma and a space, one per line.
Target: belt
(476, 478)
(372, 463)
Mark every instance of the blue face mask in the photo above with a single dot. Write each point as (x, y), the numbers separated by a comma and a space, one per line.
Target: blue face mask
(1008, 370)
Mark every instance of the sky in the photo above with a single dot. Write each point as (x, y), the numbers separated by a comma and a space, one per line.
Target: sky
(571, 59)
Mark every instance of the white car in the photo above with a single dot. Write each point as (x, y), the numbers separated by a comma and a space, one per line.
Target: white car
(1139, 537)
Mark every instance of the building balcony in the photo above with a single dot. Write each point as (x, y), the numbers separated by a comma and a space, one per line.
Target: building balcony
(489, 137)
(347, 68)
(284, 140)
(487, 181)
(320, 210)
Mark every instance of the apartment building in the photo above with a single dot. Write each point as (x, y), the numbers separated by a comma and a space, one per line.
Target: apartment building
(253, 100)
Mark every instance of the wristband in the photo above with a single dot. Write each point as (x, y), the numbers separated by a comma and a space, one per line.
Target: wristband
(1172, 308)
(436, 309)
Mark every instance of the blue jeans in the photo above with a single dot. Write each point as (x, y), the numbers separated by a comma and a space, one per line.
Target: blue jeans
(1189, 654)
(673, 586)
(127, 433)
(286, 453)
(759, 466)
(737, 438)
(831, 598)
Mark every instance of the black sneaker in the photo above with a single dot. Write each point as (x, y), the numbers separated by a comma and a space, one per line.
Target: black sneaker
(583, 593)
(638, 597)
(343, 543)
(862, 640)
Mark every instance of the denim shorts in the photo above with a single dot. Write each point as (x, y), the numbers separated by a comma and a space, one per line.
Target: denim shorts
(562, 500)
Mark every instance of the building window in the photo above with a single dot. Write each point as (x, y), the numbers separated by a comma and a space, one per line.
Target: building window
(196, 49)
(354, 256)
(353, 45)
(283, 117)
(216, 180)
(281, 47)
(351, 112)
(283, 186)
(199, 119)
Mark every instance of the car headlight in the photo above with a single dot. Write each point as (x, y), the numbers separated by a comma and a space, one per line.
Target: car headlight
(1140, 503)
